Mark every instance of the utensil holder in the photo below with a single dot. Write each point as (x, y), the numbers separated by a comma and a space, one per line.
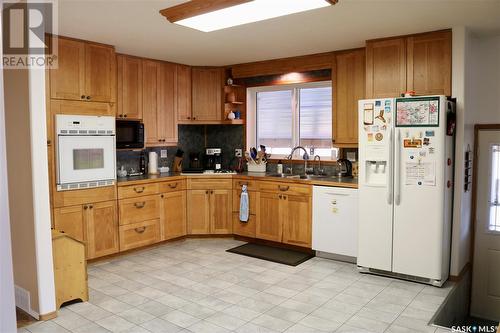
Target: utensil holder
(253, 167)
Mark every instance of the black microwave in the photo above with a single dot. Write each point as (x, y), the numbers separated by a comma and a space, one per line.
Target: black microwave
(129, 134)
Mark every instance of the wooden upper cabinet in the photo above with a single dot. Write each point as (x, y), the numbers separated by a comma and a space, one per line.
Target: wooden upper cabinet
(183, 92)
(68, 80)
(129, 87)
(102, 229)
(150, 98)
(86, 71)
(207, 94)
(348, 87)
(429, 63)
(385, 68)
(167, 115)
(100, 73)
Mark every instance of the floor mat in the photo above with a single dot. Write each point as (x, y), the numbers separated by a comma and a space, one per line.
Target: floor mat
(270, 253)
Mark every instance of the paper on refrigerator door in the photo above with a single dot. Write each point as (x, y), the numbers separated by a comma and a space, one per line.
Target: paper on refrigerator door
(420, 173)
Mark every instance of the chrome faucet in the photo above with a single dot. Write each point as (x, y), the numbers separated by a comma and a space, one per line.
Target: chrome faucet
(319, 171)
(305, 157)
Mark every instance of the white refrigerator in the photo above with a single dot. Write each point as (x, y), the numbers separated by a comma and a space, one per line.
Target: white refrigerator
(406, 187)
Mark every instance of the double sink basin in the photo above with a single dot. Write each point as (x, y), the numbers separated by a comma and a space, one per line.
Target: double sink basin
(309, 177)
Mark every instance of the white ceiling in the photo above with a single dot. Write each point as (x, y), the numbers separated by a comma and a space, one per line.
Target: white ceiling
(136, 27)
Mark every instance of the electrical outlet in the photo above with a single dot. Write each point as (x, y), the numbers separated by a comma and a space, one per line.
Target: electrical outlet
(163, 153)
(238, 152)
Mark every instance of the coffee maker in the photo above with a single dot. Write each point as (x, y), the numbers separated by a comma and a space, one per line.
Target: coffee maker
(213, 159)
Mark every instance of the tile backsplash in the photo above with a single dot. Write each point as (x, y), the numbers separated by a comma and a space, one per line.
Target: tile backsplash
(192, 139)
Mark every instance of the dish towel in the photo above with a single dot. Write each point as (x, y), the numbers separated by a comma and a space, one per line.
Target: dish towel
(244, 211)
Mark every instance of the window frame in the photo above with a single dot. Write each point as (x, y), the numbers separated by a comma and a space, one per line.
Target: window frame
(251, 123)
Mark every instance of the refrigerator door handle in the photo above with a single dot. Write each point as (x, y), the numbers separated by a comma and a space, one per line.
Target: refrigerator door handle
(389, 171)
(397, 160)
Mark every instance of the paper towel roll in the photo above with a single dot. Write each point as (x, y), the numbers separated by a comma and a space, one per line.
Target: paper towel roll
(153, 163)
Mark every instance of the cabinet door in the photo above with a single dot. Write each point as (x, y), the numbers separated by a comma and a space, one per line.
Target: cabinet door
(349, 87)
(173, 215)
(269, 217)
(385, 68)
(207, 94)
(220, 212)
(102, 229)
(198, 212)
(183, 92)
(297, 215)
(150, 77)
(129, 87)
(100, 73)
(70, 220)
(167, 117)
(429, 63)
(68, 80)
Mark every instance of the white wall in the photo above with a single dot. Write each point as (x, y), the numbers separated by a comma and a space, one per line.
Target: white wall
(7, 306)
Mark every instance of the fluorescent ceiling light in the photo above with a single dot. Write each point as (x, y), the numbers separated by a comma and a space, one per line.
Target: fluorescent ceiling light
(253, 11)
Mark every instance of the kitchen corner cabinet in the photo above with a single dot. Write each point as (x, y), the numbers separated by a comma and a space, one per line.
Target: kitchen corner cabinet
(183, 92)
(159, 116)
(86, 72)
(129, 92)
(349, 87)
(173, 215)
(96, 224)
(419, 62)
(207, 91)
(209, 212)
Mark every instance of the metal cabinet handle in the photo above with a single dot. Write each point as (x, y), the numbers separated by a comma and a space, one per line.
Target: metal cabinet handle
(49, 142)
(125, 115)
(173, 185)
(140, 204)
(206, 192)
(162, 196)
(85, 207)
(91, 206)
(211, 192)
(83, 97)
(88, 97)
(283, 188)
(140, 230)
(139, 189)
(280, 196)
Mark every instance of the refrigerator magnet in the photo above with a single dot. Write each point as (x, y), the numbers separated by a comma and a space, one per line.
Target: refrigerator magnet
(379, 136)
(412, 143)
(429, 133)
(370, 137)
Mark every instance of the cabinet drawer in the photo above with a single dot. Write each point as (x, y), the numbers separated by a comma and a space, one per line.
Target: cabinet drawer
(252, 197)
(137, 190)
(172, 186)
(285, 188)
(139, 234)
(238, 183)
(244, 229)
(139, 209)
(209, 184)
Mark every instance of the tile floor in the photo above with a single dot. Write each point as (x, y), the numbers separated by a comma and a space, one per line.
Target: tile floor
(195, 286)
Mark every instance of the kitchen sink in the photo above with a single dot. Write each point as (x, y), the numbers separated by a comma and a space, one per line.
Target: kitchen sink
(306, 177)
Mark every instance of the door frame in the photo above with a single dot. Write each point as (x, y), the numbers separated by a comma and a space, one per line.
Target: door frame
(477, 128)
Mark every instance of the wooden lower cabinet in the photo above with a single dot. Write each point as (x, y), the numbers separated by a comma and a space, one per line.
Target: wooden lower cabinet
(297, 222)
(246, 229)
(139, 209)
(102, 229)
(198, 212)
(139, 234)
(173, 215)
(209, 212)
(96, 224)
(269, 224)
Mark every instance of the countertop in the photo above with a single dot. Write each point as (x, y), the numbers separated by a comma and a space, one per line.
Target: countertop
(327, 181)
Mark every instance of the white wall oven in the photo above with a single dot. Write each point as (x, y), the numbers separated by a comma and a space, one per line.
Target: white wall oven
(86, 152)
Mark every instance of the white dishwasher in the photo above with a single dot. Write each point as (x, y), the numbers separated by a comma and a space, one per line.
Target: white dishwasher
(335, 220)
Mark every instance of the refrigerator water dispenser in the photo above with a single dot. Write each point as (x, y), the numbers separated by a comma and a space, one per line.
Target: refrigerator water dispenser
(376, 172)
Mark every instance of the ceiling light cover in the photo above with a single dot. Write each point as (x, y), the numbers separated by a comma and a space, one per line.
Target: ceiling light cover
(253, 11)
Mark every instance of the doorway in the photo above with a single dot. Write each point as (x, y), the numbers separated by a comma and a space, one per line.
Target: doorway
(485, 293)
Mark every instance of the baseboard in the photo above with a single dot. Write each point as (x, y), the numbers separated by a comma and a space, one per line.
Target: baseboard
(48, 316)
(23, 301)
(339, 257)
(459, 277)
